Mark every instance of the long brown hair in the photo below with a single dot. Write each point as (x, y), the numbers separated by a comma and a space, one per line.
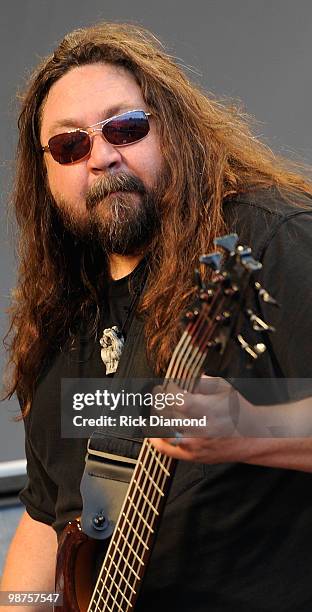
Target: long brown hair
(209, 152)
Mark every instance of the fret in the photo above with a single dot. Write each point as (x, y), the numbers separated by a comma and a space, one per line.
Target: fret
(149, 474)
(127, 564)
(119, 591)
(106, 608)
(115, 603)
(153, 451)
(146, 498)
(151, 479)
(130, 547)
(136, 532)
(141, 516)
(122, 576)
(152, 464)
(126, 519)
(132, 539)
(121, 552)
(149, 463)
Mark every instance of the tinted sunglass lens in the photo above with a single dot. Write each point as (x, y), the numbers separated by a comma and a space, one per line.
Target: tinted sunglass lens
(126, 128)
(70, 147)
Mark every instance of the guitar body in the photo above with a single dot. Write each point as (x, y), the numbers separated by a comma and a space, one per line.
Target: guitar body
(75, 568)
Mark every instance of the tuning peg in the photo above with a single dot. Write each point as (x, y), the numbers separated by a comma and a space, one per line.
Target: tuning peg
(228, 242)
(257, 323)
(224, 317)
(249, 262)
(190, 316)
(253, 350)
(213, 260)
(265, 296)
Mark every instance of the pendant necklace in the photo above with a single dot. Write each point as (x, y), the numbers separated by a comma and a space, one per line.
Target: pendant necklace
(113, 339)
(112, 343)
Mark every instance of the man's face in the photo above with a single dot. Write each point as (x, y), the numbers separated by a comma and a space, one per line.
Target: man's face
(122, 220)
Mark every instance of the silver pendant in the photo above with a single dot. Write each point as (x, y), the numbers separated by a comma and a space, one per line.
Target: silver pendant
(112, 342)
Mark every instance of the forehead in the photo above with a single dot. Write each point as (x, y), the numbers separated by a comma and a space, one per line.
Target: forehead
(88, 94)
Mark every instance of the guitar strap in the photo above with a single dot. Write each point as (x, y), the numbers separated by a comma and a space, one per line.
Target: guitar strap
(110, 459)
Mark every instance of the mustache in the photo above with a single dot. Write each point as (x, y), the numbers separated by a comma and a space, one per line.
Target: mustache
(110, 183)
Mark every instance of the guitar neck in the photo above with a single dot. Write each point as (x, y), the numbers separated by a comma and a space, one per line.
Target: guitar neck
(129, 549)
(211, 324)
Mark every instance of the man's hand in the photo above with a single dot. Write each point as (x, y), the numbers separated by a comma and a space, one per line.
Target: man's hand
(216, 403)
(237, 431)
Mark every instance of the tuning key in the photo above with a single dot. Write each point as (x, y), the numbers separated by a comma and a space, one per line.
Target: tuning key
(257, 323)
(265, 296)
(254, 350)
(228, 242)
(250, 262)
(213, 260)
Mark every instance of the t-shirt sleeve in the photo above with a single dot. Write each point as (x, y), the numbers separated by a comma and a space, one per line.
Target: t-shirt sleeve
(283, 244)
(287, 268)
(40, 493)
(286, 274)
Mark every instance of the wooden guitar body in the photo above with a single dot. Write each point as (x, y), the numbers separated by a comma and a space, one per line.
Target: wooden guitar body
(75, 568)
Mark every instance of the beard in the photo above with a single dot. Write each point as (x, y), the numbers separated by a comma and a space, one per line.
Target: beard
(122, 215)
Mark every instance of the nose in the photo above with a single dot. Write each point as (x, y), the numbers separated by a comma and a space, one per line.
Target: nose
(103, 155)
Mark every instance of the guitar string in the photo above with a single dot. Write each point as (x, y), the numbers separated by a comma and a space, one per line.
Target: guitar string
(133, 539)
(152, 495)
(173, 358)
(192, 369)
(185, 341)
(199, 358)
(171, 373)
(128, 556)
(177, 356)
(131, 545)
(106, 568)
(126, 537)
(205, 314)
(191, 351)
(114, 543)
(113, 578)
(202, 355)
(131, 523)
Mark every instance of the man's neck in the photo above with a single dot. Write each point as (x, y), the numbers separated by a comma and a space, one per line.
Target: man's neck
(122, 265)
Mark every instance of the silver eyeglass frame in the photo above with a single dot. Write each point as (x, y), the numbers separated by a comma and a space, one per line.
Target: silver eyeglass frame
(98, 127)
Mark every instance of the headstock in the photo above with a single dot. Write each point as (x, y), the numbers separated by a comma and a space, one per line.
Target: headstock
(226, 300)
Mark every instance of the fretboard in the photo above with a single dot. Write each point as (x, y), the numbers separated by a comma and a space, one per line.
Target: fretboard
(129, 549)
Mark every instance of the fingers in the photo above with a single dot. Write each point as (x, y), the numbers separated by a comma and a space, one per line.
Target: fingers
(170, 447)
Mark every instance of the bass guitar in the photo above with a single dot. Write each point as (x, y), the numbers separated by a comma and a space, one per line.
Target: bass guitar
(216, 318)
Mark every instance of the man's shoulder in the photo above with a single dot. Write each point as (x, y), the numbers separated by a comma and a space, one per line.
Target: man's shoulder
(260, 214)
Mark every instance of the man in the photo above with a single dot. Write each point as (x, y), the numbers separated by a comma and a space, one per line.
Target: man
(126, 174)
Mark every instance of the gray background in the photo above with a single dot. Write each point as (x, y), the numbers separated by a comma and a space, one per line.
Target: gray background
(255, 50)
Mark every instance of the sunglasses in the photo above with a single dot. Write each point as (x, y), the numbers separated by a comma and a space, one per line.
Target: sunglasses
(119, 130)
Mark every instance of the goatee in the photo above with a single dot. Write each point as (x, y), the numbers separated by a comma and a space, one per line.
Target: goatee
(122, 214)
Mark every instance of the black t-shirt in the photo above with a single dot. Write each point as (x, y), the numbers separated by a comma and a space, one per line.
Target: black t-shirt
(232, 536)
